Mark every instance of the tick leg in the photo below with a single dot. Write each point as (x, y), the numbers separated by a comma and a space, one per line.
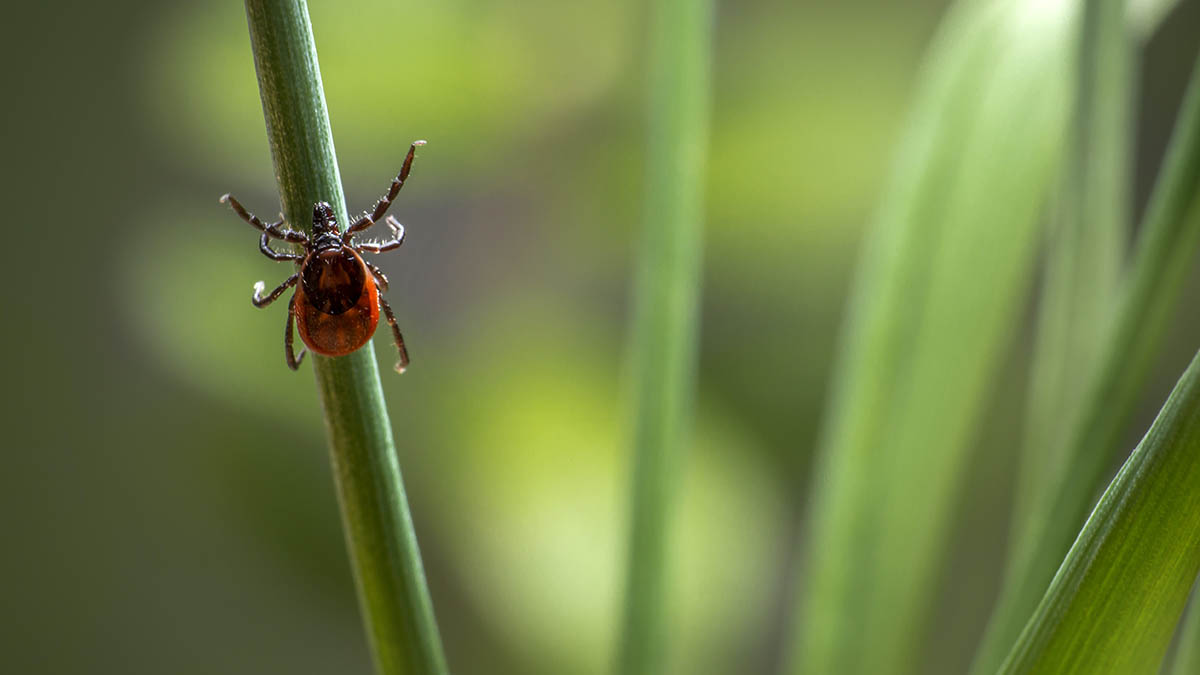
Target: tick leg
(381, 279)
(264, 245)
(293, 361)
(260, 302)
(273, 229)
(384, 202)
(391, 319)
(393, 243)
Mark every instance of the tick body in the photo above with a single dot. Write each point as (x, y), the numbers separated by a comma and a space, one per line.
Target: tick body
(337, 303)
(337, 300)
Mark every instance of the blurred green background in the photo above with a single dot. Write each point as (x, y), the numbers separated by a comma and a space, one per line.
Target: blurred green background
(166, 498)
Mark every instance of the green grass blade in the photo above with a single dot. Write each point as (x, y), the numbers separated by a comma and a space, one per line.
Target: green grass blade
(1165, 249)
(1082, 271)
(940, 289)
(1187, 659)
(1146, 15)
(383, 548)
(666, 297)
(1086, 242)
(1116, 600)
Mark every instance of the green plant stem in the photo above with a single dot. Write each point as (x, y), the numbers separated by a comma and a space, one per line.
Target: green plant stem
(383, 549)
(1170, 234)
(666, 297)
(1117, 598)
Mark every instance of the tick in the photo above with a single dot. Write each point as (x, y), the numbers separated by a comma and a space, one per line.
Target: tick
(337, 300)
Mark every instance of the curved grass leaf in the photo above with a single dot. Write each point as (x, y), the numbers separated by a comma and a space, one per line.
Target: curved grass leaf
(1165, 250)
(1116, 600)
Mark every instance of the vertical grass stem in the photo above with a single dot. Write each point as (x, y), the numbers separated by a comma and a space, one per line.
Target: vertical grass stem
(383, 549)
(666, 297)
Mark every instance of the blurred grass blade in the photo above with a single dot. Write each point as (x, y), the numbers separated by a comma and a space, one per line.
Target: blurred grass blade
(1187, 658)
(940, 289)
(1166, 247)
(1144, 16)
(1115, 601)
(666, 297)
(379, 532)
(1085, 245)
(1082, 266)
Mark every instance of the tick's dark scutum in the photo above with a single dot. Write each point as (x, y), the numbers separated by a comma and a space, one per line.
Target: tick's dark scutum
(333, 280)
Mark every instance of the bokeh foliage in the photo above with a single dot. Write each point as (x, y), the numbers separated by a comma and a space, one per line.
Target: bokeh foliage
(167, 483)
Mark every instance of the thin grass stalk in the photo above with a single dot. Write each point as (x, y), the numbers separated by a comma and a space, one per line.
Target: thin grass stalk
(395, 602)
(665, 313)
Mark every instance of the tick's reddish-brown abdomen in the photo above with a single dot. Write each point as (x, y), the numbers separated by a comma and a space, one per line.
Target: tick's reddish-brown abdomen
(344, 332)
